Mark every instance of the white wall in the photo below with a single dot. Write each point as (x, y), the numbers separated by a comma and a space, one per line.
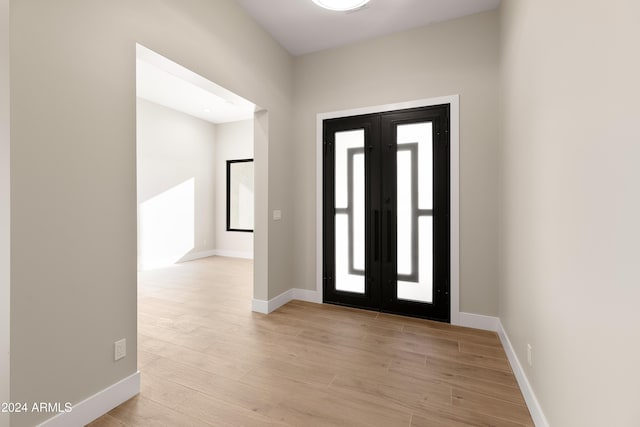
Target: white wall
(5, 223)
(233, 141)
(570, 203)
(73, 174)
(456, 57)
(176, 185)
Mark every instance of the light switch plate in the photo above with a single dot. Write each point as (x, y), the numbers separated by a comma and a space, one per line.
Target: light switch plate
(120, 349)
(277, 215)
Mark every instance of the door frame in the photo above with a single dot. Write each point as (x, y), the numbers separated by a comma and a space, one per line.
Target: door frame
(454, 124)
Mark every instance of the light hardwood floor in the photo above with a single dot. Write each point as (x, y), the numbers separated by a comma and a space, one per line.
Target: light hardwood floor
(207, 360)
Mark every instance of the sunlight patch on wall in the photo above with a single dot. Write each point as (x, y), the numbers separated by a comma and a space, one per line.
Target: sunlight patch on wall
(167, 226)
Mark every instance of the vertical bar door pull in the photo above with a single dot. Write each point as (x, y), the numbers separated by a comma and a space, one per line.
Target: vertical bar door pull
(376, 235)
(389, 235)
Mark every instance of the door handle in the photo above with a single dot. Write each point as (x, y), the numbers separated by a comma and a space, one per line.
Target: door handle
(376, 235)
(389, 235)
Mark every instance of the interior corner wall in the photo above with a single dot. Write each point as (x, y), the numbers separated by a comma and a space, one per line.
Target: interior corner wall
(234, 141)
(5, 219)
(73, 174)
(455, 57)
(570, 205)
(176, 178)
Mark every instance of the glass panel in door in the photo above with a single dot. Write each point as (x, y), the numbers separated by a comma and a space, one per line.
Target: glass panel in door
(350, 211)
(415, 212)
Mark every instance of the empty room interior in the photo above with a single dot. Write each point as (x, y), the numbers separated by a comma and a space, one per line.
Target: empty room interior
(296, 213)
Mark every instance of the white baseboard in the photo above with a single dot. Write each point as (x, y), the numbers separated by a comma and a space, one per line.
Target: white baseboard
(527, 391)
(478, 321)
(197, 255)
(97, 405)
(260, 306)
(216, 252)
(234, 254)
(307, 295)
(266, 307)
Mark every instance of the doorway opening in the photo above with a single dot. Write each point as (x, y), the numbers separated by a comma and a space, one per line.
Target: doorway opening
(386, 211)
(399, 289)
(187, 129)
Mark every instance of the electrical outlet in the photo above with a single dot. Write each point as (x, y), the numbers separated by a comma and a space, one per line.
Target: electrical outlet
(530, 354)
(120, 349)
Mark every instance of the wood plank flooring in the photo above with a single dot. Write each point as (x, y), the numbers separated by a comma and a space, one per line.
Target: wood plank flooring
(207, 360)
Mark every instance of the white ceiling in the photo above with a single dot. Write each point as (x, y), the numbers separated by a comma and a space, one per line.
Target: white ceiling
(303, 27)
(169, 84)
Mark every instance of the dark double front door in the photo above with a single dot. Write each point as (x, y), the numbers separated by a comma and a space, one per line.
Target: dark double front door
(386, 241)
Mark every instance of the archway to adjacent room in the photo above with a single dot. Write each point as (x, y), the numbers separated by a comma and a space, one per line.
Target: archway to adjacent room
(196, 223)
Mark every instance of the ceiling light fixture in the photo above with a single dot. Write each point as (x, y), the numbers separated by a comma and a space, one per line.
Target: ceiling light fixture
(341, 5)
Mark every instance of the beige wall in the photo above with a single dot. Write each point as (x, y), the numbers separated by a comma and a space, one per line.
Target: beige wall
(570, 205)
(172, 149)
(456, 57)
(233, 141)
(5, 224)
(563, 213)
(73, 179)
(261, 204)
